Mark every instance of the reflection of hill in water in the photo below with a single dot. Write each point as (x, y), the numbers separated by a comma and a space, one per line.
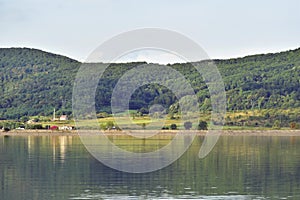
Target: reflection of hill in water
(238, 166)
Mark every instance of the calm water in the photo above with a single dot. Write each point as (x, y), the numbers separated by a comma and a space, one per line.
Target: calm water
(239, 167)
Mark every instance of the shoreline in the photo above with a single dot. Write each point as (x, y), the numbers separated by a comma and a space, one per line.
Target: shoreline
(147, 132)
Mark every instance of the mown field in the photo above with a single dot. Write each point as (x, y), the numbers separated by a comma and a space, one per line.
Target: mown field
(263, 119)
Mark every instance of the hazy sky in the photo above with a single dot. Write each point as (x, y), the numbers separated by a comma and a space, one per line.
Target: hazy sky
(224, 28)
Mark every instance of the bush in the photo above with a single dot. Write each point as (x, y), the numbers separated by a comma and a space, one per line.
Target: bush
(102, 115)
(143, 125)
(202, 125)
(188, 125)
(276, 125)
(173, 126)
(102, 126)
(267, 115)
(47, 127)
(109, 125)
(6, 129)
(35, 126)
(36, 119)
(143, 111)
(24, 119)
(267, 124)
(293, 125)
(172, 117)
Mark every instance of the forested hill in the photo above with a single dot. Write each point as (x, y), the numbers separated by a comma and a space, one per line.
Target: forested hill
(33, 82)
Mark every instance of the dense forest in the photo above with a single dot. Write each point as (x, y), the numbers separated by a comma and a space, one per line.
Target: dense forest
(34, 82)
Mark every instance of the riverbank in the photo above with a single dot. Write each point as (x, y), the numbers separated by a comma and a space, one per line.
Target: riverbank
(148, 132)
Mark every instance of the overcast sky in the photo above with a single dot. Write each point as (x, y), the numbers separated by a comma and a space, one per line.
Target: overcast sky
(224, 28)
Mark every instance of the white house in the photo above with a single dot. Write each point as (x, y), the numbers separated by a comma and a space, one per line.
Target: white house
(63, 118)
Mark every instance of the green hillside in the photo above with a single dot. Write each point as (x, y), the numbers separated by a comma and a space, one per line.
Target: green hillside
(33, 82)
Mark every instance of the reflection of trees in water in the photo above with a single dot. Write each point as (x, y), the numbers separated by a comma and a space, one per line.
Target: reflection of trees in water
(263, 165)
(28, 167)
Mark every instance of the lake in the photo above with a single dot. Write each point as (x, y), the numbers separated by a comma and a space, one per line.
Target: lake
(239, 167)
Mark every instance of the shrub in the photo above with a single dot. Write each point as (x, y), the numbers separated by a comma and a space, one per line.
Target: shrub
(109, 124)
(293, 125)
(102, 115)
(143, 125)
(202, 125)
(36, 126)
(267, 115)
(187, 125)
(267, 124)
(36, 119)
(173, 126)
(103, 126)
(6, 129)
(47, 127)
(276, 125)
(24, 119)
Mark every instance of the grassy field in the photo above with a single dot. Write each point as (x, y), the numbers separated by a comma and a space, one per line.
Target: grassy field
(237, 120)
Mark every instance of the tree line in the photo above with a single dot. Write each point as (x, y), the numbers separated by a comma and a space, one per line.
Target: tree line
(33, 82)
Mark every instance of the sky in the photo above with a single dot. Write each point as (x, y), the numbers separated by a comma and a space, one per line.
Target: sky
(223, 28)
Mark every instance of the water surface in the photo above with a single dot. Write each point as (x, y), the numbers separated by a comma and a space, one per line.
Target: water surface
(239, 167)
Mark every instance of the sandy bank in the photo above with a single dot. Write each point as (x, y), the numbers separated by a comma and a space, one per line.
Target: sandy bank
(146, 132)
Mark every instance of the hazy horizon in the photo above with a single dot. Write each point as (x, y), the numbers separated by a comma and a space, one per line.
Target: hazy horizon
(228, 29)
(137, 57)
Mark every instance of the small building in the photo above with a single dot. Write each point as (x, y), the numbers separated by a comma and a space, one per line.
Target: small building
(31, 121)
(63, 117)
(65, 128)
(54, 128)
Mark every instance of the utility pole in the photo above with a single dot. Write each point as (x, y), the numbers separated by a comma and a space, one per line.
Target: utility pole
(54, 114)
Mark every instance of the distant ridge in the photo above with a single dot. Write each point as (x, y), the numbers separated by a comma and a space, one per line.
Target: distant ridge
(214, 59)
(33, 82)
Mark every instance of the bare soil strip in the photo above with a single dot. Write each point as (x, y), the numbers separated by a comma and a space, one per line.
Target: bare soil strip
(145, 132)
